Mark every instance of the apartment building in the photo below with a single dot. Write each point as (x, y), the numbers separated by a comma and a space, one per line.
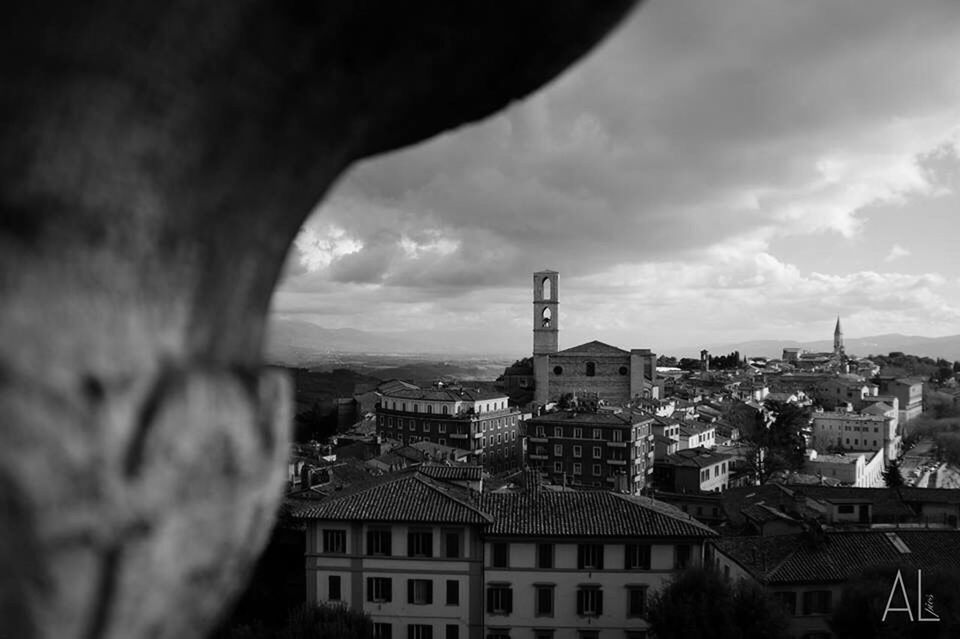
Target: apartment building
(871, 430)
(605, 448)
(470, 419)
(429, 560)
(693, 470)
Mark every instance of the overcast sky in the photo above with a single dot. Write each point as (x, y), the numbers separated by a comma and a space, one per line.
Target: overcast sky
(714, 172)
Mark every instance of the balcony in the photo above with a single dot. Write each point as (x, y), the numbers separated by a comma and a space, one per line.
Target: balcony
(538, 439)
(617, 462)
(538, 457)
(617, 444)
(458, 436)
(477, 435)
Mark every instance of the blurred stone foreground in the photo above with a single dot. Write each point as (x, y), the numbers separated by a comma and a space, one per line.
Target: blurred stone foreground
(156, 161)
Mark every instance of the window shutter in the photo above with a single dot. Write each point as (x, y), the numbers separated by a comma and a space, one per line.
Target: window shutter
(579, 602)
(806, 602)
(599, 595)
(453, 593)
(509, 600)
(410, 589)
(628, 552)
(369, 588)
(409, 544)
(389, 594)
(411, 633)
(428, 551)
(489, 599)
(599, 555)
(430, 591)
(580, 562)
(369, 542)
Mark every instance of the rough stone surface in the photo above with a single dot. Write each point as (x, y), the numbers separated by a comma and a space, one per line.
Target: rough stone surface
(156, 161)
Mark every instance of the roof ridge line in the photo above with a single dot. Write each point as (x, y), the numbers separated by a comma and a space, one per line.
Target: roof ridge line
(429, 482)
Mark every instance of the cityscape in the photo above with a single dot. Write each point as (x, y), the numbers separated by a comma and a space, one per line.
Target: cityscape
(564, 497)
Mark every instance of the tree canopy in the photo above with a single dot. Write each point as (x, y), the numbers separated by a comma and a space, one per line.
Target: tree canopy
(701, 604)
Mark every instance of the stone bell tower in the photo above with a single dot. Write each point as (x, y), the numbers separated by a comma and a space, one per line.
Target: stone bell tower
(546, 330)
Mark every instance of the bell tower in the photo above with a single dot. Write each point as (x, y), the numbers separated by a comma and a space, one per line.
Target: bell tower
(545, 316)
(546, 328)
(838, 339)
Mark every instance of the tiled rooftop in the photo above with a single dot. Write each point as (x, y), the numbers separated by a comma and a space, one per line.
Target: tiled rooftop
(587, 514)
(412, 497)
(407, 497)
(451, 473)
(839, 556)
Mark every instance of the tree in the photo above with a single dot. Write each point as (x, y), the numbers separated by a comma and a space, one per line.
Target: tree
(859, 614)
(700, 604)
(892, 476)
(309, 622)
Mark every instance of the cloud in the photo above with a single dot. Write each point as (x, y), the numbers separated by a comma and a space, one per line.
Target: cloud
(896, 252)
(681, 151)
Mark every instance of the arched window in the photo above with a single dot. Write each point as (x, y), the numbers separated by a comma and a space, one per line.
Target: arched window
(547, 289)
(591, 369)
(429, 409)
(416, 408)
(444, 409)
(403, 407)
(546, 316)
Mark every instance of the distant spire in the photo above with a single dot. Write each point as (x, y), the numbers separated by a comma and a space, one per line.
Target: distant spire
(838, 338)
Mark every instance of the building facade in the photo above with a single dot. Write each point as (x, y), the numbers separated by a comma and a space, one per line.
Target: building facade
(609, 449)
(693, 470)
(873, 430)
(483, 423)
(429, 561)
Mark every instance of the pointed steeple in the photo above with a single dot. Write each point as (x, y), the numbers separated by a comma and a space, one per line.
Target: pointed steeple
(838, 338)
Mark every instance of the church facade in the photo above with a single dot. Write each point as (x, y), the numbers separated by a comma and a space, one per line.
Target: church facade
(594, 369)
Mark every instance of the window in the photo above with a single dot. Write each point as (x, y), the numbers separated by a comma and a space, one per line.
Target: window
(577, 451)
(637, 557)
(558, 467)
(451, 540)
(636, 601)
(333, 587)
(558, 450)
(382, 631)
(501, 554)
(681, 556)
(578, 469)
(426, 427)
(591, 369)
(543, 601)
(596, 470)
(543, 633)
(597, 434)
(334, 540)
(453, 592)
(499, 599)
(419, 631)
(378, 542)
(618, 435)
(845, 509)
(444, 410)
(578, 433)
(596, 452)
(379, 589)
(558, 432)
(453, 631)
(499, 438)
(789, 601)
(817, 602)
(590, 556)
(589, 601)
(419, 591)
(413, 426)
(558, 370)
(419, 544)
(544, 555)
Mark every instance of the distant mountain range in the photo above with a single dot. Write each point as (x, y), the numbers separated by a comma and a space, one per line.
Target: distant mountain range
(946, 347)
(300, 343)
